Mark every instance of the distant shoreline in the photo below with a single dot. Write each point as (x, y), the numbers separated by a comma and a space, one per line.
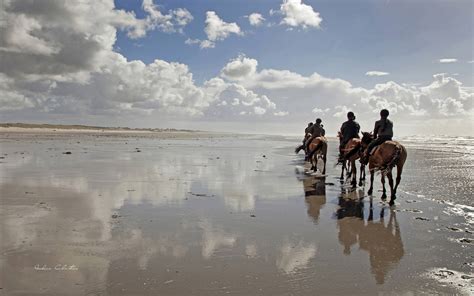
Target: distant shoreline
(16, 127)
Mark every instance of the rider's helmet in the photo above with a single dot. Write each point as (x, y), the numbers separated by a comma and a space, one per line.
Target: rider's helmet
(384, 113)
(350, 115)
(318, 120)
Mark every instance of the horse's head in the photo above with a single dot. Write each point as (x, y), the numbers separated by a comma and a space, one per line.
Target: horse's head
(366, 138)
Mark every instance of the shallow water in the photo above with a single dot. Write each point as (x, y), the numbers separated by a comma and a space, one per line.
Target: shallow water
(224, 215)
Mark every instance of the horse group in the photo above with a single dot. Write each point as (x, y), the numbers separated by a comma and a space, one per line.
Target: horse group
(383, 159)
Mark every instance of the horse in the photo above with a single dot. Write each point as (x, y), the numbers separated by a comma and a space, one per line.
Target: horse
(350, 153)
(318, 148)
(306, 138)
(386, 156)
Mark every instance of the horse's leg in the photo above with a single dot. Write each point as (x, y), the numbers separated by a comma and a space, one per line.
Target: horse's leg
(348, 169)
(362, 171)
(371, 189)
(324, 162)
(342, 171)
(354, 174)
(371, 211)
(384, 192)
(315, 161)
(392, 195)
(399, 177)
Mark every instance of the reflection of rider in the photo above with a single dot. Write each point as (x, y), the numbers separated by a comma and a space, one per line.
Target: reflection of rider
(350, 206)
(383, 131)
(349, 129)
(315, 196)
(382, 242)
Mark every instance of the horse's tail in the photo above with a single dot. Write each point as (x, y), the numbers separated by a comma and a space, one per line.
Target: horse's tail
(393, 162)
(297, 149)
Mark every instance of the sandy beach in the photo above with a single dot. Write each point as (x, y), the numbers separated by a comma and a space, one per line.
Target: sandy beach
(196, 213)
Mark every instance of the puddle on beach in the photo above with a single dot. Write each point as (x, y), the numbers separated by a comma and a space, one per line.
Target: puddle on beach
(213, 216)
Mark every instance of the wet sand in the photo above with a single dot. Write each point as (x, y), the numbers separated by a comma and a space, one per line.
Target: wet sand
(206, 214)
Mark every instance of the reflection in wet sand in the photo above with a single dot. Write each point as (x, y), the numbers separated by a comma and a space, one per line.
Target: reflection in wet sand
(381, 240)
(315, 196)
(176, 219)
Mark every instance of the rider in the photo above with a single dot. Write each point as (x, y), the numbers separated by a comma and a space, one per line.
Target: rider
(316, 130)
(383, 131)
(349, 129)
(308, 129)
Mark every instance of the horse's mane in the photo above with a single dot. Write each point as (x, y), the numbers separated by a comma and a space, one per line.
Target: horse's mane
(367, 137)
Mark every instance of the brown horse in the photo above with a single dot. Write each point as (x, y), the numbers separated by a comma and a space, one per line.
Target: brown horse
(351, 152)
(386, 156)
(318, 148)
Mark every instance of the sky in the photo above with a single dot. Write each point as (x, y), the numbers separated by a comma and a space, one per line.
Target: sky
(268, 66)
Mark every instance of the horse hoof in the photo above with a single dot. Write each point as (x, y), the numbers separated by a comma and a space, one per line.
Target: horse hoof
(384, 196)
(360, 183)
(391, 203)
(369, 192)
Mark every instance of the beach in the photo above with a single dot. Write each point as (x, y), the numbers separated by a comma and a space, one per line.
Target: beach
(197, 213)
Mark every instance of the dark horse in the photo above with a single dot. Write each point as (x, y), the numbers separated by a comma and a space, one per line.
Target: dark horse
(350, 153)
(386, 156)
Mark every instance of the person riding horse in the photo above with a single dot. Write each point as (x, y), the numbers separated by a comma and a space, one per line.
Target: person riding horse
(383, 131)
(349, 130)
(316, 130)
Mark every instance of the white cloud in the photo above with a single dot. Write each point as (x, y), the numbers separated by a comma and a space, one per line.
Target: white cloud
(207, 44)
(320, 111)
(217, 29)
(281, 113)
(294, 92)
(256, 19)
(294, 256)
(296, 14)
(239, 68)
(72, 68)
(64, 64)
(376, 73)
(448, 60)
(174, 21)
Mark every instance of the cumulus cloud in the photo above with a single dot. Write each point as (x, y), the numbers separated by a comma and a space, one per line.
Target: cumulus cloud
(217, 29)
(448, 60)
(320, 111)
(239, 68)
(61, 60)
(174, 21)
(296, 93)
(376, 73)
(297, 14)
(281, 113)
(256, 19)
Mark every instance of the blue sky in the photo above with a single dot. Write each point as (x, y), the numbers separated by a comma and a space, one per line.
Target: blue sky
(404, 38)
(202, 64)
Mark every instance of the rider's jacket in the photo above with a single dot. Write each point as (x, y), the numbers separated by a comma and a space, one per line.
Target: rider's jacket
(383, 128)
(349, 129)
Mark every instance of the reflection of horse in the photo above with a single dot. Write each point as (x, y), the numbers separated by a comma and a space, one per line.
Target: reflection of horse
(350, 153)
(318, 149)
(315, 196)
(382, 241)
(386, 156)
